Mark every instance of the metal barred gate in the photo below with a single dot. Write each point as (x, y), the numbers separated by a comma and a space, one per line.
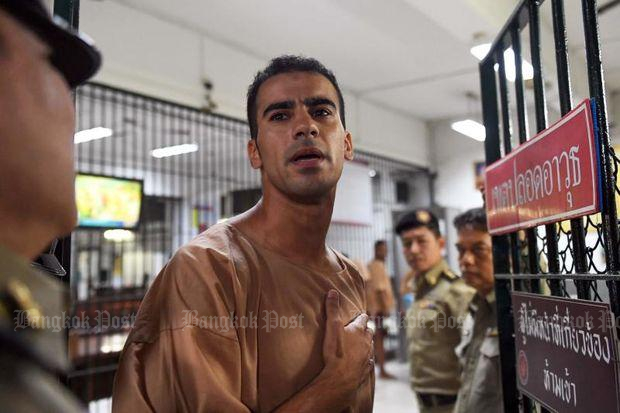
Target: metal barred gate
(582, 255)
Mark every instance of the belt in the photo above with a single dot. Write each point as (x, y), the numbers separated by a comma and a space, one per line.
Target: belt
(434, 400)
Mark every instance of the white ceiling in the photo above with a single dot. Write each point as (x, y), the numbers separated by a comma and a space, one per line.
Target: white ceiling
(410, 55)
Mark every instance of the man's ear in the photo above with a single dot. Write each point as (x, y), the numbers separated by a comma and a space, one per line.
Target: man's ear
(254, 154)
(348, 147)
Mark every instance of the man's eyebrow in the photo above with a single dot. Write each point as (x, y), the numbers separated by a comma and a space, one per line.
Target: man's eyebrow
(285, 104)
(319, 100)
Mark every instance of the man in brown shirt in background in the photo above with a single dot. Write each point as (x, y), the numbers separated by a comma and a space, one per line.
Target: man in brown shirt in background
(258, 314)
(380, 301)
(435, 317)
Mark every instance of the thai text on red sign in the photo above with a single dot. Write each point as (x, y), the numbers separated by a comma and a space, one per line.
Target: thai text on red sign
(552, 177)
(566, 353)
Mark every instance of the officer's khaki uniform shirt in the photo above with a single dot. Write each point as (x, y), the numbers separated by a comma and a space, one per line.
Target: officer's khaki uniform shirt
(29, 298)
(379, 293)
(232, 326)
(434, 330)
(479, 353)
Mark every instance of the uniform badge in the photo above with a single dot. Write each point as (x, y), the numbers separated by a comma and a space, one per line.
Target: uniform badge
(423, 216)
(425, 304)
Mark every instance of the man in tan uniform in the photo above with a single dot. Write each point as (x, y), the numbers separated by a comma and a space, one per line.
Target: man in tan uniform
(435, 317)
(481, 391)
(257, 314)
(380, 301)
(39, 63)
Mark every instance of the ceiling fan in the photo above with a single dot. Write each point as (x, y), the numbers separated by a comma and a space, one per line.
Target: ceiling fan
(607, 6)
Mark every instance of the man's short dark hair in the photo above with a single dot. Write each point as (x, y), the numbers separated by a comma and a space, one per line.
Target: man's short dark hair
(416, 219)
(475, 218)
(288, 64)
(379, 242)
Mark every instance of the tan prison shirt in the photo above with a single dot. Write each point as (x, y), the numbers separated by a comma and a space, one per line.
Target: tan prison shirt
(434, 324)
(479, 353)
(231, 326)
(379, 295)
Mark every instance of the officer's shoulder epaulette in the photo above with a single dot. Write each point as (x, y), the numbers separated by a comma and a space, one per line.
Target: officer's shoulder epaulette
(450, 275)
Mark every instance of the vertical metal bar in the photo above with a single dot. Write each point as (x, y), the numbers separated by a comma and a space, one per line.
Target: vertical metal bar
(596, 84)
(564, 90)
(500, 246)
(541, 124)
(532, 247)
(507, 135)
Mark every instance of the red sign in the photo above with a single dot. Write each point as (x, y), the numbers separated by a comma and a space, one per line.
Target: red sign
(566, 353)
(552, 177)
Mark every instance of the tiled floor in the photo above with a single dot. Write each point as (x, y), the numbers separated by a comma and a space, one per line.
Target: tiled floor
(395, 396)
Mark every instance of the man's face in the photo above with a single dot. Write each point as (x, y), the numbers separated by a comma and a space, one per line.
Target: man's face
(422, 248)
(301, 143)
(381, 251)
(36, 133)
(476, 259)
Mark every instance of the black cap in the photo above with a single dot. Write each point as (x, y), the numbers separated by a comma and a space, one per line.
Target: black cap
(418, 218)
(73, 53)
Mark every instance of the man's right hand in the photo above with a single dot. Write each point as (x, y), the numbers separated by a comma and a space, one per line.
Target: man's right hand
(347, 350)
(348, 357)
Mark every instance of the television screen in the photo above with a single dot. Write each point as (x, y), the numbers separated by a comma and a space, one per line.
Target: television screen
(106, 202)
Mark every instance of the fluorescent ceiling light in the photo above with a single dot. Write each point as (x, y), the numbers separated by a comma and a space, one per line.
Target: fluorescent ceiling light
(482, 50)
(92, 134)
(470, 128)
(119, 235)
(372, 173)
(174, 150)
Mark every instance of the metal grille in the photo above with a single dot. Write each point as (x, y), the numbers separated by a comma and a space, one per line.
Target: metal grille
(577, 259)
(183, 196)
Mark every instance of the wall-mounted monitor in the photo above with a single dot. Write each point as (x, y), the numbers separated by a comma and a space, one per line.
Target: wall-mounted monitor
(108, 202)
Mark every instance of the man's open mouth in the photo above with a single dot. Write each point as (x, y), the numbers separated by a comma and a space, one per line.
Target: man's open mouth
(307, 155)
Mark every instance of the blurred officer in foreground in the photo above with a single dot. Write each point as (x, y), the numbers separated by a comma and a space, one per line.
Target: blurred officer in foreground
(39, 63)
(380, 299)
(435, 317)
(481, 391)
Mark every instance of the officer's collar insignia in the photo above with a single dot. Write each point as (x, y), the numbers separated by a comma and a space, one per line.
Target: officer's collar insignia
(424, 304)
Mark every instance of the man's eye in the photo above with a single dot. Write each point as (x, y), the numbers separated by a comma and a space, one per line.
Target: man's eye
(321, 112)
(481, 251)
(278, 116)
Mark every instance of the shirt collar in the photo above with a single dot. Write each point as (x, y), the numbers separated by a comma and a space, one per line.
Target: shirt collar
(431, 276)
(31, 293)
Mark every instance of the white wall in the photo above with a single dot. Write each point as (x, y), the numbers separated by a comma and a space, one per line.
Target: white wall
(145, 54)
(453, 156)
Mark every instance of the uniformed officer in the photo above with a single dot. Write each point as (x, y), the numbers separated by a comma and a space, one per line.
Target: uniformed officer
(435, 317)
(39, 62)
(481, 391)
